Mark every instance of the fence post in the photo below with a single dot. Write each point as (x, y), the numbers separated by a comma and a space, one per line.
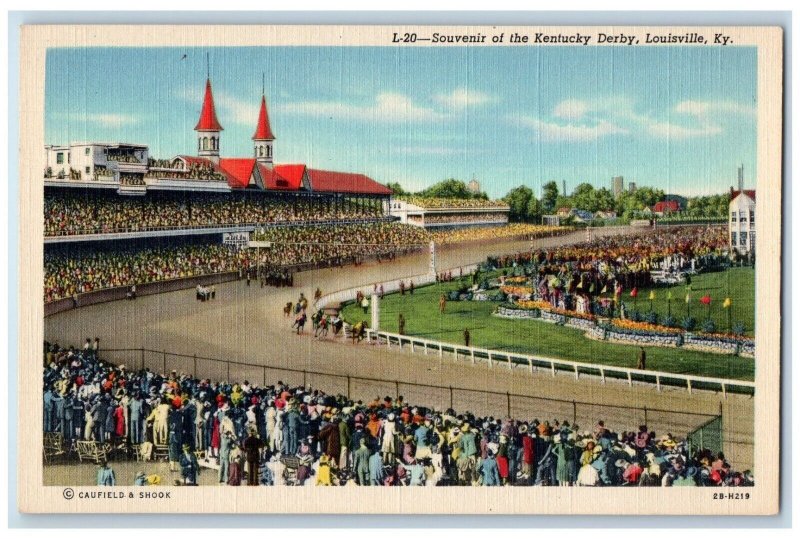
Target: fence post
(396, 388)
(490, 360)
(142, 365)
(646, 422)
(689, 385)
(574, 413)
(451, 396)
(576, 371)
(348, 386)
(265, 376)
(508, 404)
(194, 366)
(304, 379)
(472, 355)
(228, 365)
(164, 363)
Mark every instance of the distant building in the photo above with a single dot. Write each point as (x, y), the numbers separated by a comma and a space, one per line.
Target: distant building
(564, 211)
(742, 223)
(632, 187)
(474, 187)
(582, 216)
(443, 213)
(618, 185)
(665, 207)
(605, 215)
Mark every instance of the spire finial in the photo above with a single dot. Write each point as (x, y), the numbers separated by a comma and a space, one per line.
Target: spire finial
(263, 91)
(208, 66)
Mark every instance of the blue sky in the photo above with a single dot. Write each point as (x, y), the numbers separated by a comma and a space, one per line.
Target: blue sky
(677, 118)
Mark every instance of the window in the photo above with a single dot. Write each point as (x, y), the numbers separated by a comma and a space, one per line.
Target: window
(743, 239)
(742, 216)
(60, 158)
(752, 215)
(733, 217)
(733, 238)
(205, 143)
(88, 170)
(752, 240)
(88, 151)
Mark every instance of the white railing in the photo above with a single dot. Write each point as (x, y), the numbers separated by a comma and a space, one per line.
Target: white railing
(495, 358)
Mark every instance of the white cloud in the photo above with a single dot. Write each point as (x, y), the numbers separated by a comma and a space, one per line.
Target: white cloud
(461, 98)
(571, 132)
(387, 107)
(572, 109)
(235, 110)
(675, 131)
(702, 108)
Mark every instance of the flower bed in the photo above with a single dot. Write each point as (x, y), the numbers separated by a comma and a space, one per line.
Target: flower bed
(629, 326)
(517, 290)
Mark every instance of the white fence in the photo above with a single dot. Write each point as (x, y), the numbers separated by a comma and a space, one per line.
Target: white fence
(497, 358)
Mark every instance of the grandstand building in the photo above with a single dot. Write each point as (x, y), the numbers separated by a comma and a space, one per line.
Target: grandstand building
(118, 173)
(440, 213)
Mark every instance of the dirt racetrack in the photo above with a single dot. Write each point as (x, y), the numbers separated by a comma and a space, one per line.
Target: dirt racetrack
(246, 324)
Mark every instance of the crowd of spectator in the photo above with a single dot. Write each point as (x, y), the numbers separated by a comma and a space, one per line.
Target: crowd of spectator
(456, 218)
(77, 270)
(574, 277)
(241, 432)
(461, 203)
(521, 231)
(70, 214)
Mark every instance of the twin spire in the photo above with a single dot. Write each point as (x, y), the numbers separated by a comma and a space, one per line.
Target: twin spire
(208, 128)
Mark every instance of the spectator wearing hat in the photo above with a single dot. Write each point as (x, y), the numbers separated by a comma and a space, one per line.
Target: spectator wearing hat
(252, 447)
(361, 462)
(490, 471)
(189, 466)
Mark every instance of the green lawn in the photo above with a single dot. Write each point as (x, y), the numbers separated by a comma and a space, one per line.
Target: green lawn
(423, 319)
(735, 283)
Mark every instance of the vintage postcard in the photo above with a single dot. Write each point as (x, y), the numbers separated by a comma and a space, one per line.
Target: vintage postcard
(347, 269)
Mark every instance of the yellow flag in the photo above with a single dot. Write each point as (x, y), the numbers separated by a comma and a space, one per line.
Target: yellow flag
(687, 298)
(652, 295)
(726, 303)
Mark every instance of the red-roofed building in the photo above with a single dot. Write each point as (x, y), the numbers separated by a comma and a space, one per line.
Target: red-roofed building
(666, 207)
(326, 181)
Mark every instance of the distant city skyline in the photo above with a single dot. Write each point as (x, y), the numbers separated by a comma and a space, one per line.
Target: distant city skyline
(681, 119)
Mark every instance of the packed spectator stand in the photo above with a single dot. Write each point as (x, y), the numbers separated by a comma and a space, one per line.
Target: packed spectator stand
(244, 433)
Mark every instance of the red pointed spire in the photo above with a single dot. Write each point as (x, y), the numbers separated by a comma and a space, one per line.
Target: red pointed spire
(208, 116)
(263, 130)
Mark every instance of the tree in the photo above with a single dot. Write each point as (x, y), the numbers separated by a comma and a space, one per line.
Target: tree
(396, 188)
(451, 188)
(534, 210)
(518, 200)
(549, 196)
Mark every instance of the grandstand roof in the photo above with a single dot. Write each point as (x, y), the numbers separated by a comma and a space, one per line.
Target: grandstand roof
(292, 175)
(192, 160)
(208, 114)
(263, 130)
(239, 170)
(326, 181)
